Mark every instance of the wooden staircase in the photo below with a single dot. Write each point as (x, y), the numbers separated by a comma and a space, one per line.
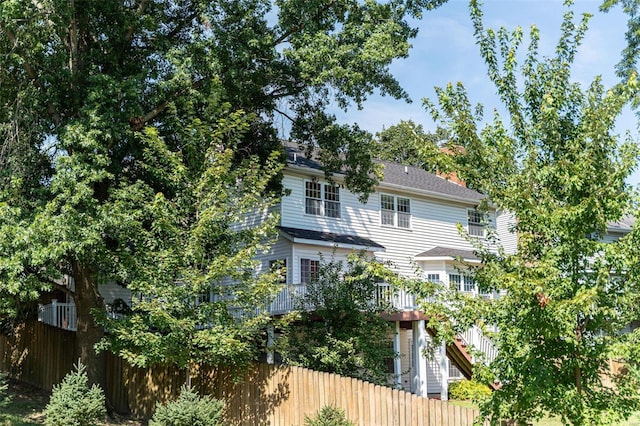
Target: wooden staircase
(460, 357)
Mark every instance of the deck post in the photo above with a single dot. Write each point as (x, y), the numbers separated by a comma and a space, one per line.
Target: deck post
(54, 313)
(419, 348)
(444, 372)
(397, 361)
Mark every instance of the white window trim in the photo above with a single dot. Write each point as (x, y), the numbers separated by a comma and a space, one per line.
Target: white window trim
(486, 220)
(396, 213)
(323, 200)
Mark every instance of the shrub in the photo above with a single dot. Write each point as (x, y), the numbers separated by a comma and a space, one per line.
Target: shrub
(469, 389)
(73, 403)
(328, 416)
(190, 409)
(5, 398)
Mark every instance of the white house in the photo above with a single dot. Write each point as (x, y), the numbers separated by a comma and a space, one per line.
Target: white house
(411, 219)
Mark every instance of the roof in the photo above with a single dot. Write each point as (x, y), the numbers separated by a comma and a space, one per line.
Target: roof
(396, 175)
(306, 235)
(446, 252)
(623, 225)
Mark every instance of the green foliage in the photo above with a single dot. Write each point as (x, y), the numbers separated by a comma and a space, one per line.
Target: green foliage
(328, 416)
(340, 329)
(407, 143)
(190, 409)
(74, 403)
(137, 138)
(628, 64)
(556, 164)
(5, 398)
(469, 390)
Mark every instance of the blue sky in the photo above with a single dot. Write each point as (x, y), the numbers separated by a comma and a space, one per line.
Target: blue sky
(445, 51)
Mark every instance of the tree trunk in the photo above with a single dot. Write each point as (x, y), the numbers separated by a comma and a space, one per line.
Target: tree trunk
(87, 298)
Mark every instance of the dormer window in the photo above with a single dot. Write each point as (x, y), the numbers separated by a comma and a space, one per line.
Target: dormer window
(395, 211)
(322, 199)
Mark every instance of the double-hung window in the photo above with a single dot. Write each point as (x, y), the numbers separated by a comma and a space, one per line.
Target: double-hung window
(395, 211)
(322, 199)
(476, 222)
(309, 270)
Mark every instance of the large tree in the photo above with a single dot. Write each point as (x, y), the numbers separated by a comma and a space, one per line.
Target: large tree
(556, 163)
(135, 134)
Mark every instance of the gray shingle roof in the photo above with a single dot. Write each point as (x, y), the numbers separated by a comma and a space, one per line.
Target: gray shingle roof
(623, 225)
(395, 174)
(330, 237)
(449, 252)
(414, 177)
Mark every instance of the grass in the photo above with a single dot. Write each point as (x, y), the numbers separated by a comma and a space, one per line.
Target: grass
(26, 408)
(634, 420)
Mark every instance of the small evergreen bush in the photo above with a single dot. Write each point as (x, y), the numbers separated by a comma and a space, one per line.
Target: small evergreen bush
(5, 398)
(328, 416)
(73, 403)
(190, 409)
(469, 390)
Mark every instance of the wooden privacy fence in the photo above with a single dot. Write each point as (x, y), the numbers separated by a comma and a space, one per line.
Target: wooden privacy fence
(265, 395)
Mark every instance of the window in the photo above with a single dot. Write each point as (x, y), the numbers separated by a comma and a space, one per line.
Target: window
(322, 199)
(395, 211)
(476, 223)
(433, 278)
(280, 266)
(308, 270)
(462, 283)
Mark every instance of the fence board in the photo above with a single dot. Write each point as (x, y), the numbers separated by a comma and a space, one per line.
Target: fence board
(268, 395)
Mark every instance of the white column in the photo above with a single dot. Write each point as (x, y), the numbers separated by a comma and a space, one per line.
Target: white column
(397, 361)
(270, 344)
(444, 372)
(419, 348)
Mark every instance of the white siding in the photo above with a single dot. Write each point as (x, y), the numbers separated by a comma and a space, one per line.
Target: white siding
(112, 291)
(434, 380)
(505, 221)
(433, 222)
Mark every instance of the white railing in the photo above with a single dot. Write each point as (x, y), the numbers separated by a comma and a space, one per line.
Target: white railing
(475, 338)
(61, 315)
(289, 298)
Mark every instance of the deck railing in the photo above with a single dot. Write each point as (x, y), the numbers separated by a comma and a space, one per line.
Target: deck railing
(475, 338)
(61, 315)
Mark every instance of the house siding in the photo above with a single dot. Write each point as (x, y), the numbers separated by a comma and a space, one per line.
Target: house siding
(433, 222)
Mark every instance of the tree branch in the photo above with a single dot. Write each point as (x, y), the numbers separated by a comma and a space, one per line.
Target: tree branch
(55, 284)
(136, 123)
(284, 114)
(139, 11)
(284, 36)
(31, 72)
